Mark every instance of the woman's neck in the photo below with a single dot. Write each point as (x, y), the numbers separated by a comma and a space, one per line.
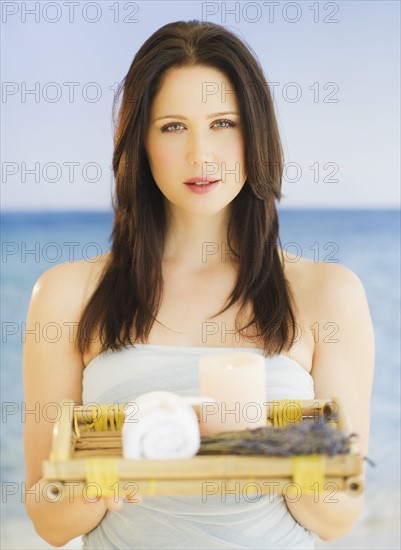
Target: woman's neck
(197, 242)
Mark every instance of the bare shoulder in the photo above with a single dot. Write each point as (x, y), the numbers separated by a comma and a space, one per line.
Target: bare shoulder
(68, 285)
(322, 285)
(328, 298)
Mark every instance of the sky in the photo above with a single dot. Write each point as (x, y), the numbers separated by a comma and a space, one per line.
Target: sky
(333, 68)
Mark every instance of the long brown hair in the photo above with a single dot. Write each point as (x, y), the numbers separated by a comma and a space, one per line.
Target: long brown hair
(127, 299)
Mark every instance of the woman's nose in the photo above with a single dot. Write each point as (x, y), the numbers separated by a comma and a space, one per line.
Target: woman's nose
(198, 149)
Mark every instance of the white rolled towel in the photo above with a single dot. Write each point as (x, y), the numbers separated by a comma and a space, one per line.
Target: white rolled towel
(160, 425)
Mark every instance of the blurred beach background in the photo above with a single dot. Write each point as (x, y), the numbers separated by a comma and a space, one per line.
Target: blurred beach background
(333, 70)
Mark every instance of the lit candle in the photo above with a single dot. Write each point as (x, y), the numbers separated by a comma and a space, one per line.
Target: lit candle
(236, 382)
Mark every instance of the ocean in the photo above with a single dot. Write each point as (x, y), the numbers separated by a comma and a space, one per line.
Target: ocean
(366, 241)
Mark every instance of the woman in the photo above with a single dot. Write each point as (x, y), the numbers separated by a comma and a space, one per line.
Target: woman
(195, 266)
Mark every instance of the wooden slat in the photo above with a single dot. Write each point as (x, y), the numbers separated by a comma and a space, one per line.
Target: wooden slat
(205, 489)
(63, 435)
(310, 407)
(203, 467)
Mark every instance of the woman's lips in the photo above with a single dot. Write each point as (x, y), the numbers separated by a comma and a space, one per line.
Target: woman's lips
(203, 188)
(196, 179)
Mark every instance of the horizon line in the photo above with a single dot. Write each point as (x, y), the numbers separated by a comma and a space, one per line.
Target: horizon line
(289, 208)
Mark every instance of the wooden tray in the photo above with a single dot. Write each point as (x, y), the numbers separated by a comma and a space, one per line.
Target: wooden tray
(86, 458)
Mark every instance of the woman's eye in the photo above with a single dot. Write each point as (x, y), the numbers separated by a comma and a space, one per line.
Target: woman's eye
(172, 128)
(228, 123)
(167, 128)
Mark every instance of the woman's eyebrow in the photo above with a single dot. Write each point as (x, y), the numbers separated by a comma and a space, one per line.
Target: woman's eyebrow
(212, 115)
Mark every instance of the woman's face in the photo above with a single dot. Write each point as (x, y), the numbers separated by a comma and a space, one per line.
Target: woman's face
(195, 131)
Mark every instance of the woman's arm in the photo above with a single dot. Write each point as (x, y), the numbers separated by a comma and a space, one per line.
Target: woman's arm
(343, 364)
(52, 373)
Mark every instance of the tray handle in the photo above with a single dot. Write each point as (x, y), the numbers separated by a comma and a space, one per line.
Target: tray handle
(62, 440)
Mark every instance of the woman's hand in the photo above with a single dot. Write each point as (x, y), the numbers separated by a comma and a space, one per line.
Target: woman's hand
(114, 504)
(125, 501)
